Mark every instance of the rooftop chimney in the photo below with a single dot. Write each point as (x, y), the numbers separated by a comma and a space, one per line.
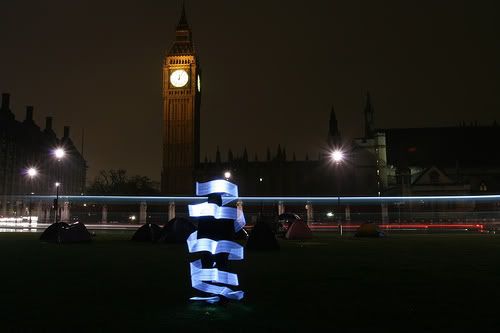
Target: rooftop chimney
(5, 101)
(48, 123)
(29, 113)
(66, 132)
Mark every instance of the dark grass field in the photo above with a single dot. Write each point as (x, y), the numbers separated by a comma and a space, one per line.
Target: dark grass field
(417, 283)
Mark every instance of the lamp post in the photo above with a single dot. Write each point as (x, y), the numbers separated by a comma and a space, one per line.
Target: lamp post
(59, 154)
(259, 193)
(31, 172)
(56, 203)
(227, 175)
(338, 157)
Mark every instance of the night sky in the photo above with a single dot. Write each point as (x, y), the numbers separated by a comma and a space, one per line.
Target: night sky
(271, 70)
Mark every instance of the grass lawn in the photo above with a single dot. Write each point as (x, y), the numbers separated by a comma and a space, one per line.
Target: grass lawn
(431, 283)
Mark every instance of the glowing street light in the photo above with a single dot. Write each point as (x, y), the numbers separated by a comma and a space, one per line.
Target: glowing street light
(227, 175)
(59, 153)
(32, 173)
(56, 202)
(337, 156)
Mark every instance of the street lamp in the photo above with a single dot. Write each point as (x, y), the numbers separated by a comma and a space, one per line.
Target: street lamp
(227, 175)
(338, 157)
(56, 202)
(32, 173)
(59, 153)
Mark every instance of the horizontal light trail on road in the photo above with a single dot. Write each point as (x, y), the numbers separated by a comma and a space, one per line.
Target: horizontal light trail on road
(263, 200)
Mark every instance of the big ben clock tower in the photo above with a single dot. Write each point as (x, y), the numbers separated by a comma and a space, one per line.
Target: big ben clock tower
(181, 113)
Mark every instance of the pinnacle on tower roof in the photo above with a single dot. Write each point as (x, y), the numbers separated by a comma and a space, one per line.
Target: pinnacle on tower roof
(369, 123)
(334, 138)
(183, 24)
(183, 43)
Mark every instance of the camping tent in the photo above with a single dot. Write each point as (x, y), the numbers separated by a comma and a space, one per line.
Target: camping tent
(262, 237)
(177, 230)
(284, 222)
(149, 232)
(298, 230)
(61, 232)
(369, 230)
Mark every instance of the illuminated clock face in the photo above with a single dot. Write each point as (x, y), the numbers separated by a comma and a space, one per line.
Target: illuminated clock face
(179, 78)
(199, 83)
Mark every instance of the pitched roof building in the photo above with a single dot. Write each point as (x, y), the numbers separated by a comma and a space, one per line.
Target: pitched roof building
(24, 144)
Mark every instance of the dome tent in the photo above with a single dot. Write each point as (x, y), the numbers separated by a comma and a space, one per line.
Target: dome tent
(177, 230)
(149, 232)
(369, 230)
(262, 237)
(284, 222)
(61, 232)
(298, 230)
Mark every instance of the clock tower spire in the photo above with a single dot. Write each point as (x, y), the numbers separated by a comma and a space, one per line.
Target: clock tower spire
(181, 113)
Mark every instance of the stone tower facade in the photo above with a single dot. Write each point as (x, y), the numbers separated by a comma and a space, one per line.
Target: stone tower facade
(181, 113)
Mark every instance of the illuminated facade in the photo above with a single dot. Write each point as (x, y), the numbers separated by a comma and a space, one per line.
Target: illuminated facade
(181, 113)
(382, 162)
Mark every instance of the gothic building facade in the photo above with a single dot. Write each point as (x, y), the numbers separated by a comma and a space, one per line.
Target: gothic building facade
(23, 145)
(384, 161)
(181, 113)
(277, 174)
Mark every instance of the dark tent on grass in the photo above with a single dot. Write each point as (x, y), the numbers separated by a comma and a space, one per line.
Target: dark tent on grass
(61, 232)
(284, 222)
(369, 230)
(298, 230)
(176, 231)
(149, 232)
(262, 238)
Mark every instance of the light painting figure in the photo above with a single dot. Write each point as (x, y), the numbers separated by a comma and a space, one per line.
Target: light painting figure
(217, 225)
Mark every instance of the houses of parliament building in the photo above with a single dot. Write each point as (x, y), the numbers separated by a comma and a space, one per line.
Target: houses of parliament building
(411, 161)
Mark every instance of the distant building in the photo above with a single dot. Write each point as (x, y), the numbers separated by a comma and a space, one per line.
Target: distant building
(22, 145)
(181, 113)
(412, 161)
(278, 174)
(443, 160)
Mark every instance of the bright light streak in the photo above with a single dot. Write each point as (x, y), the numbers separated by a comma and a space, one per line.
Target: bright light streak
(203, 278)
(270, 200)
(210, 209)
